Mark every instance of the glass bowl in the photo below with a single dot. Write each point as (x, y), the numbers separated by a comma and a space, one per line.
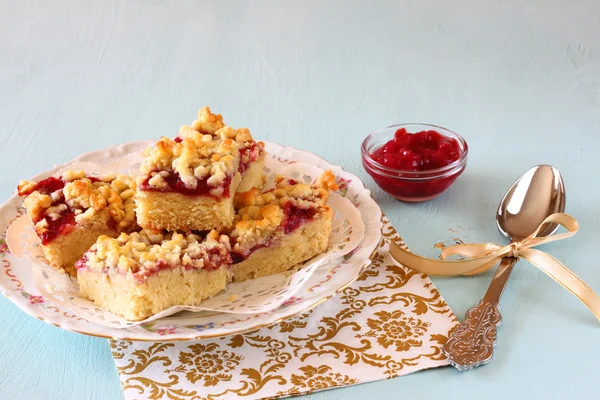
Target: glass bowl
(412, 186)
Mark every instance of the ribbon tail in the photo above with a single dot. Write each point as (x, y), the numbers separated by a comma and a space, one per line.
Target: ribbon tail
(475, 251)
(471, 250)
(483, 268)
(432, 266)
(566, 278)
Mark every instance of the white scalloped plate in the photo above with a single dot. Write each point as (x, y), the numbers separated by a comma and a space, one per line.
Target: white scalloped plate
(17, 280)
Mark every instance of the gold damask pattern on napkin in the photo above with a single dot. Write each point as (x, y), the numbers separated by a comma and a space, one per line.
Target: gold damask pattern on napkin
(392, 321)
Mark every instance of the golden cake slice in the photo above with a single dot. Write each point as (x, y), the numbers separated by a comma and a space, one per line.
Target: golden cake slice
(188, 183)
(71, 211)
(143, 273)
(279, 228)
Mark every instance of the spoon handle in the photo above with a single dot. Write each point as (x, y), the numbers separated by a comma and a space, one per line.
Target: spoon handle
(471, 344)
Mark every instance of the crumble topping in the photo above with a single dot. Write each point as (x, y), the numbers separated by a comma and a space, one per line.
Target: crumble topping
(37, 204)
(148, 251)
(26, 187)
(255, 226)
(327, 181)
(259, 215)
(195, 158)
(206, 150)
(109, 196)
(241, 135)
(288, 190)
(207, 122)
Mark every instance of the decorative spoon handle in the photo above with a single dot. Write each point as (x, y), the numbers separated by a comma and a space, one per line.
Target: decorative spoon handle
(471, 344)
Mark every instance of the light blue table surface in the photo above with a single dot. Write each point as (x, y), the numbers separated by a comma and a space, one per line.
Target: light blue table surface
(520, 80)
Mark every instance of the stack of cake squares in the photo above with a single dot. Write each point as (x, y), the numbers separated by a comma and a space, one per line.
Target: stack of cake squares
(196, 219)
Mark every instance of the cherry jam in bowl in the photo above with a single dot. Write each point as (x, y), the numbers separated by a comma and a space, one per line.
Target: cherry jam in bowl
(414, 162)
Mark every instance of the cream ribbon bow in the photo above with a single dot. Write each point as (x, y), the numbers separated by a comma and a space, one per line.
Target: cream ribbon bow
(484, 256)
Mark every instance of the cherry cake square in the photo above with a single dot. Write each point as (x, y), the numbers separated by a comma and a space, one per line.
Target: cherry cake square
(188, 183)
(277, 229)
(71, 211)
(143, 273)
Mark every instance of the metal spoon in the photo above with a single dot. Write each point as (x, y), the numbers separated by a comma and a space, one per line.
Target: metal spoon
(538, 193)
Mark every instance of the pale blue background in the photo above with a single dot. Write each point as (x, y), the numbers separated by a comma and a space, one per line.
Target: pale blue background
(519, 79)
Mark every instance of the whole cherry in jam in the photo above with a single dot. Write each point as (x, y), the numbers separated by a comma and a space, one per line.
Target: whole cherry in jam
(421, 151)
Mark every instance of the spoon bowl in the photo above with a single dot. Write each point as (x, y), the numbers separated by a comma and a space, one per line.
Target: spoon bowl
(537, 194)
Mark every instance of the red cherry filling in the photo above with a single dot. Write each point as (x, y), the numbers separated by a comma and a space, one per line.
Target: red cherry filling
(175, 184)
(421, 151)
(46, 186)
(62, 226)
(294, 217)
(213, 259)
(239, 257)
(66, 222)
(82, 262)
(248, 155)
